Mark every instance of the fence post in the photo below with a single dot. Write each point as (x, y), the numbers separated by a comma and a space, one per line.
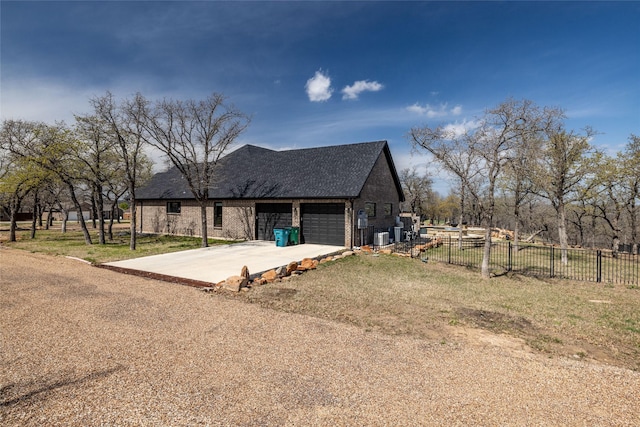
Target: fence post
(552, 263)
(449, 249)
(509, 266)
(599, 266)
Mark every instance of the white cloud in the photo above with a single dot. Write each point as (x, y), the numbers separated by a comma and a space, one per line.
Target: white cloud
(458, 129)
(416, 108)
(428, 110)
(318, 87)
(434, 112)
(352, 92)
(457, 110)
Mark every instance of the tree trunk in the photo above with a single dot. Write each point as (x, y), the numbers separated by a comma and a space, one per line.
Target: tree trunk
(65, 218)
(94, 210)
(99, 199)
(40, 214)
(203, 215)
(14, 208)
(634, 222)
(593, 231)
(133, 211)
(83, 224)
(12, 222)
(461, 215)
(49, 217)
(615, 247)
(516, 226)
(488, 220)
(486, 253)
(34, 219)
(113, 212)
(562, 232)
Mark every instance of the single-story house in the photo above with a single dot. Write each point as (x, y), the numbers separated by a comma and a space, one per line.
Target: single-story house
(324, 191)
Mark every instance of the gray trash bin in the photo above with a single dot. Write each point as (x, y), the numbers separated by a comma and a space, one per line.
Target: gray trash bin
(397, 234)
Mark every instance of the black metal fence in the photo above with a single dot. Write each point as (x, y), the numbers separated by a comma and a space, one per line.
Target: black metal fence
(528, 259)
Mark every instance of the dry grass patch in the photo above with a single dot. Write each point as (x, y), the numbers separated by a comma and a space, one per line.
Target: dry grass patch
(405, 296)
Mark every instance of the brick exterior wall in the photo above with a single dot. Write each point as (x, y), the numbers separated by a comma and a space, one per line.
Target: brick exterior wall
(238, 216)
(379, 189)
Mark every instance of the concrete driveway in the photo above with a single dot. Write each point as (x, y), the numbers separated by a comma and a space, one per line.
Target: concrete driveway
(216, 263)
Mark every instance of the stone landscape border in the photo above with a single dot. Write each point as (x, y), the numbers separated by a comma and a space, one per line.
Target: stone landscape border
(246, 281)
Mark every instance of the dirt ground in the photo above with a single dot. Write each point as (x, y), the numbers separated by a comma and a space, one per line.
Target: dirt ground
(87, 346)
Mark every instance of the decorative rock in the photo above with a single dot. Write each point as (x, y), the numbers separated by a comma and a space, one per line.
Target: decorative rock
(270, 276)
(348, 253)
(366, 248)
(258, 282)
(281, 271)
(235, 283)
(245, 272)
(386, 251)
(308, 264)
(291, 267)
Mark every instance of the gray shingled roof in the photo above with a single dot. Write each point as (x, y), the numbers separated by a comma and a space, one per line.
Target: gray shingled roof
(252, 172)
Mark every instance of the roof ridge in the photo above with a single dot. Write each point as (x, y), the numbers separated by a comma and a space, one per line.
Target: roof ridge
(333, 146)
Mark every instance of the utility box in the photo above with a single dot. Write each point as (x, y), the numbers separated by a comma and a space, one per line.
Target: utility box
(363, 220)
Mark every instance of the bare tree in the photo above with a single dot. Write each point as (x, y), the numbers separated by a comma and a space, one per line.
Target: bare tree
(194, 135)
(480, 156)
(502, 131)
(96, 152)
(563, 165)
(528, 125)
(453, 152)
(53, 195)
(609, 198)
(417, 190)
(630, 179)
(125, 124)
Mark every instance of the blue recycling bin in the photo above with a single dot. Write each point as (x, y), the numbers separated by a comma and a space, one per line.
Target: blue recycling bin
(282, 236)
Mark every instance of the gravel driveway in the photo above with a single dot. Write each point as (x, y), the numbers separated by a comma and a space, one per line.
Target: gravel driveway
(88, 346)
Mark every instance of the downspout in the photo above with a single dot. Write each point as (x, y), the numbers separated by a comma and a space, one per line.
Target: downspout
(353, 223)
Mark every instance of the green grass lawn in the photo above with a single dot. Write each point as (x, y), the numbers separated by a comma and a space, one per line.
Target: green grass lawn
(71, 243)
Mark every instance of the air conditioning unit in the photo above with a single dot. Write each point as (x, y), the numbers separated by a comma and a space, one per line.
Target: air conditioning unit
(381, 239)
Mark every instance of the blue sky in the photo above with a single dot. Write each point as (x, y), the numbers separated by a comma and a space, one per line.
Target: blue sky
(326, 73)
